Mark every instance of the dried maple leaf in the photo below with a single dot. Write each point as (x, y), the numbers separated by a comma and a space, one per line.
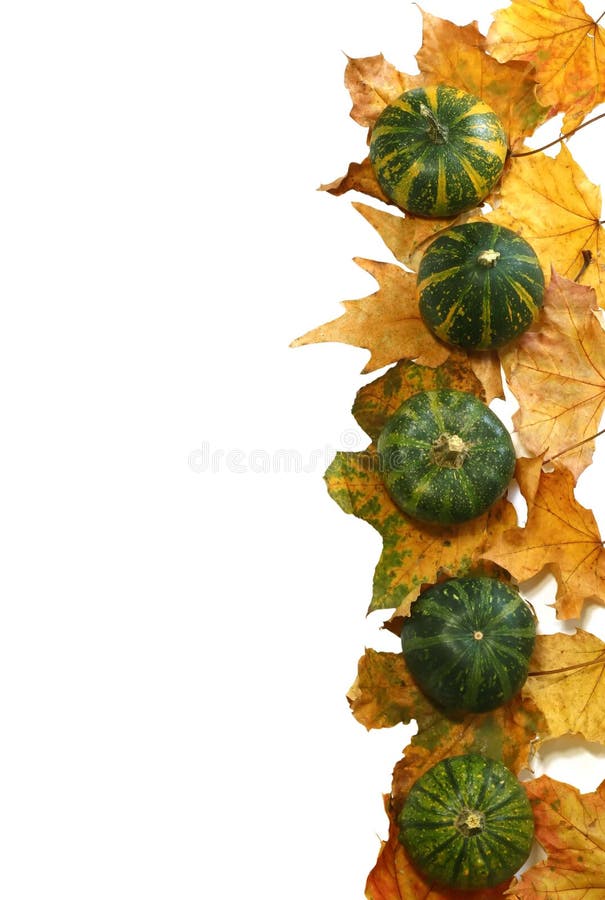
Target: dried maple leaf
(406, 236)
(553, 205)
(570, 826)
(567, 684)
(359, 177)
(413, 553)
(506, 734)
(557, 373)
(450, 54)
(387, 323)
(560, 535)
(384, 694)
(373, 83)
(565, 46)
(456, 55)
(394, 877)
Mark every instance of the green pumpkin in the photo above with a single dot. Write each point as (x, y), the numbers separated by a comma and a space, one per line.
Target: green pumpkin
(479, 286)
(467, 823)
(467, 643)
(445, 457)
(437, 151)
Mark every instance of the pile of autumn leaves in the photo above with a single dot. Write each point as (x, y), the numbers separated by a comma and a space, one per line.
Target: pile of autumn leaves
(539, 59)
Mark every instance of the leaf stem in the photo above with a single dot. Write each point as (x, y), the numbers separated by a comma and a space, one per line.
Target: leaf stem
(573, 446)
(598, 661)
(587, 257)
(563, 137)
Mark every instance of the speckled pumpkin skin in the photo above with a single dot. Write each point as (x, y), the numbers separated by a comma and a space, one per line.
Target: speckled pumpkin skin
(435, 493)
(479, 286)
(467, 643)
(467, 823)
(437, 150)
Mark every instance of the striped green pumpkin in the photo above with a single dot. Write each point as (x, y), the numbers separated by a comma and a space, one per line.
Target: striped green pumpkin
(468, 641)
(467, 823)
(437, 151)
(479, 286)
(445, 457)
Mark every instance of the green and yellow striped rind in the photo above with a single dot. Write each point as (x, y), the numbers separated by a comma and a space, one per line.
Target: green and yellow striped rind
(473, 304)
(432, 493)
(468, 642)
(437, 151)
(439, 849)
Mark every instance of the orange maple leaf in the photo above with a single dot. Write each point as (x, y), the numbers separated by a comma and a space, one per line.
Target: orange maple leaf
(570, 826)
(560, 535)
(557, 373)
(565, 46)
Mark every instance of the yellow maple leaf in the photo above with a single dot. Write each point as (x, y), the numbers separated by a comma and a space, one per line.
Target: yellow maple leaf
(358, 177)
(560, 535)
(408, 236)
(387, 322)
(567, 683)
(565, 46)
(557, 373)
(570, 826)
(557, 209)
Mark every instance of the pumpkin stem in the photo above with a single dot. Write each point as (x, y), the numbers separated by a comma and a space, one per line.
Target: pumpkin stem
(449, 451)
(470, 821)
(488, 258)
(437, 131)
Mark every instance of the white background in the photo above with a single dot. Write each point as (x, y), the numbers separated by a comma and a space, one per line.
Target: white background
(181, 615)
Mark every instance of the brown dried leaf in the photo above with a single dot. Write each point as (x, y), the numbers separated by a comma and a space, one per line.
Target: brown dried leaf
(557, 373)
(387, 322)
(570, 826)
(383, 693)
(373, 83)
